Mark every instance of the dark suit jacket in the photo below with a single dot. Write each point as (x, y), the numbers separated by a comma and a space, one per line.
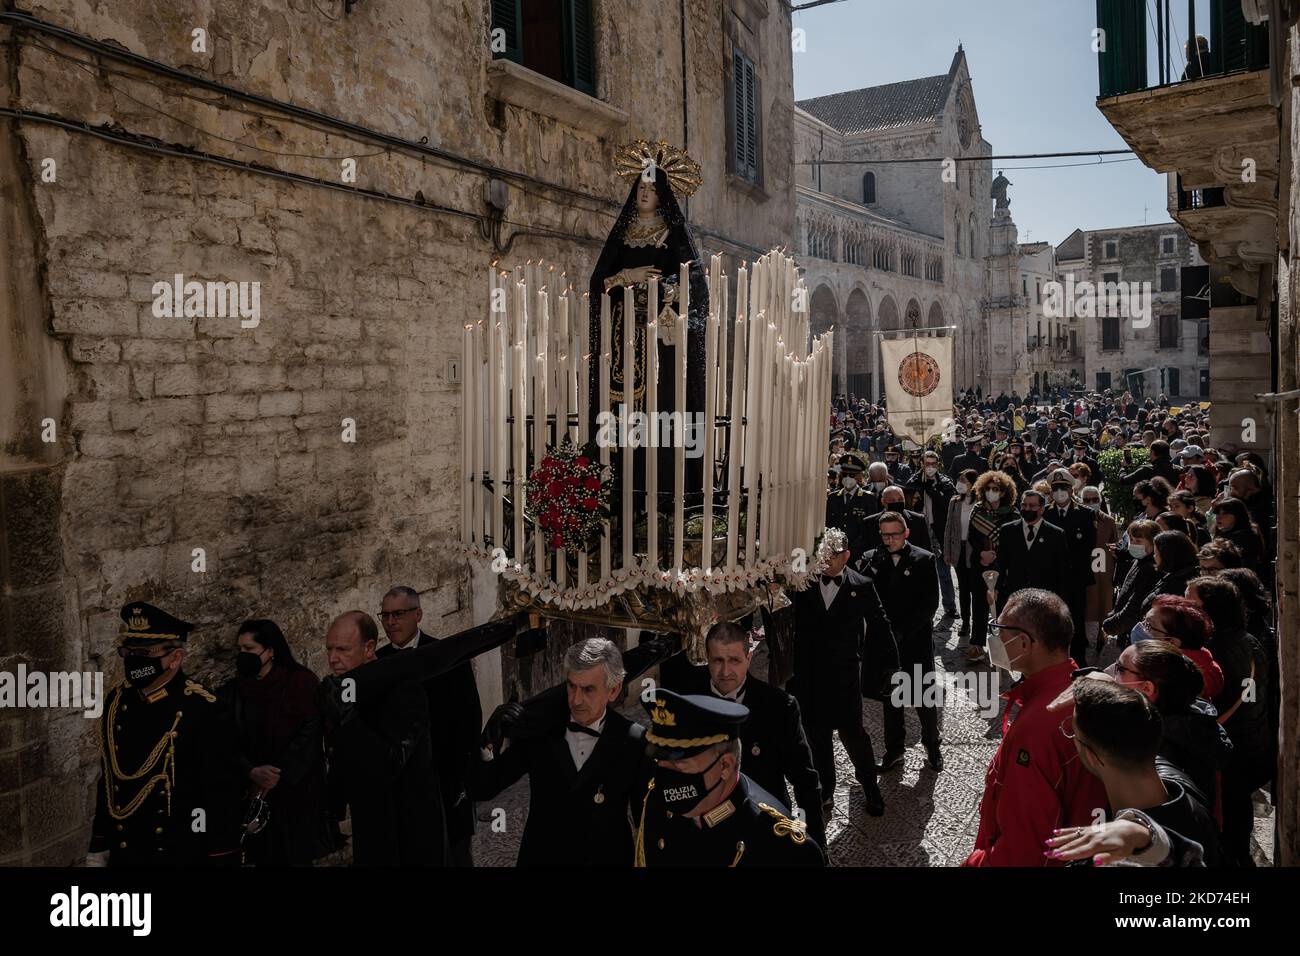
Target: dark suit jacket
(575, 817)
(828, 647)
(1080, 527)
(381, 766)
(910, 593)
(1042, 566)
(775, 748)
(455, 718)
(919, 536)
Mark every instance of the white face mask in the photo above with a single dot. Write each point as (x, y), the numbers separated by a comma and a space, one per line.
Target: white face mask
(931, 471)
(1092, 505)
(1137, 550)
(879, 485)
(849, 482)
(1077, 482)
(1060, 496)
(962, 487)
(992, 497)
(998, 655)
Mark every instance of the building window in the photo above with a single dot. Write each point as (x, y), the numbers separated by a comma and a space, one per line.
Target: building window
(1111, 247)
(1110, 277)
(746, 109)
(550, 37)
(1038, 290)
(1168, 280)
(1203, 337)
(1024, 287)
(868, 188)
(972, 236)
(1205, 383)
(1110, 333)
(1074, 343)
(1172, 385)
(1103, 381)
(1168, 332)
(1168, 246)
(956, 233)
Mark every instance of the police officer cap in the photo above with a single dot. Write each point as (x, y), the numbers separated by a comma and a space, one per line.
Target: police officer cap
(684, 725)
(852, 463)
(144, 624)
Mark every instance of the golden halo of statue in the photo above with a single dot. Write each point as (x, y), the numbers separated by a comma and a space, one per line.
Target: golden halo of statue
(683, 173)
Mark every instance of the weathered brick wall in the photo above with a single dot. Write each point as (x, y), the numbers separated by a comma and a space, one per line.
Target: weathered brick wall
(196, 433)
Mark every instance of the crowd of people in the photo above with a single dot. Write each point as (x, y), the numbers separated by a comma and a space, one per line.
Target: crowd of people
(1006, 527)
(1168, 554)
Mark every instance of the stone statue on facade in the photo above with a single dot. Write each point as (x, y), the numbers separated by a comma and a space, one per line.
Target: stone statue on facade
(999, 192)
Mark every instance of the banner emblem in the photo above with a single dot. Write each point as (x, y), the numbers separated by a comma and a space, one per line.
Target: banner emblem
(918, 374)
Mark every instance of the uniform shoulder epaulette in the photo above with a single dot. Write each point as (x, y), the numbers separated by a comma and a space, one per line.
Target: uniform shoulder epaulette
(193, 687)
(784, 826)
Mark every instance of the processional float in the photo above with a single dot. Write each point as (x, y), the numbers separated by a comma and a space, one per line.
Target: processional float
(645, 454)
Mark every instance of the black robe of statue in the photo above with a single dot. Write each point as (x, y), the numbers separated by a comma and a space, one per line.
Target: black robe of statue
(667, 255)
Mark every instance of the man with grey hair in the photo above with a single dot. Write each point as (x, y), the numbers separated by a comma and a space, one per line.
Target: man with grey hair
(455, 716)
(583, 771)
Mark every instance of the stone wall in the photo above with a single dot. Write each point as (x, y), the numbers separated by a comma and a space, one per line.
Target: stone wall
(181, 434)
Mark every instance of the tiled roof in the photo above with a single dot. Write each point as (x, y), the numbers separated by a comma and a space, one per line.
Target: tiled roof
(882, 107)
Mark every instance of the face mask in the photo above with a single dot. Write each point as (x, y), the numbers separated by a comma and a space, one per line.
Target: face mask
(849, 483)
(1137, 550)
(993, 497)
(1092, 505)
(998, 655)
(140, 670)
(931, 471)
(894, 506)
(962, 487)
(1029, 516)
(878, 485)
(1060, 496)
(1140, 633)
(248, 664)
(683, 792)
(1077, 482)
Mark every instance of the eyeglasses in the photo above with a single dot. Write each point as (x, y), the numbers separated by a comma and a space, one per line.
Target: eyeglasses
(995, 626)
(1066, 733)
(893, 534)
(398, 613)
(1146, 622)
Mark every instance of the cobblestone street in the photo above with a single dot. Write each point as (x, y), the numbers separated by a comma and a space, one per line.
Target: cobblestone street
(930, 818)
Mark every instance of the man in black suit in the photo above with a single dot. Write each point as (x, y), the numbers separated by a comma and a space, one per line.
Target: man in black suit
(904, 575)
(380, 759)
(892, 500)
(584, 772)
(971, 459)
(774, 746)
(1031, 552)
(1080, 527)
(832, 616)
(455, 718)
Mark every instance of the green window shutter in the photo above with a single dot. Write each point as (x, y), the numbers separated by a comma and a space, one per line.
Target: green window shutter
(738, 111)
(507, 15)
(745, 117)
(1122, 68)
(579, 53)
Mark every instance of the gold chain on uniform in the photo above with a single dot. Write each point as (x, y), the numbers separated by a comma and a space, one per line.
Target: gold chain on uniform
(639, 859)
(166, 745)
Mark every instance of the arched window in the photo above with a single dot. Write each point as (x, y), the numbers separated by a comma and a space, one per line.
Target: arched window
(868, 188)
(956, 234)
(972, 236)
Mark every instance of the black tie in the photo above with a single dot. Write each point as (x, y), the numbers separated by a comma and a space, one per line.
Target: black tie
(577, 728)
(1030, 539)
(832, 579)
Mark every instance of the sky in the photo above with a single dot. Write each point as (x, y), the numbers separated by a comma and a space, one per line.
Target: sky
(1034, 76)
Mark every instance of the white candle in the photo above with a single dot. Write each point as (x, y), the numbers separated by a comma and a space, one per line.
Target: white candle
(520, 416)
(465, 451)
(501, 388)
(490, 409)
(737, 411)
(540, 540)
(710, 376)
(605, 357)
(651, 415)
(476, 424)
(628, 452)
(754, 344)
(679, 446)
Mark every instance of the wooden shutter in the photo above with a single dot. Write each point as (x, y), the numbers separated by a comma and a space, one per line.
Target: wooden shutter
(738, 110)
(580, 59)
(745, 108)
(507, 15)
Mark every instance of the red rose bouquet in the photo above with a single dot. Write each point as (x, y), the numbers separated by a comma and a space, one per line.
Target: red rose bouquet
(568, 496)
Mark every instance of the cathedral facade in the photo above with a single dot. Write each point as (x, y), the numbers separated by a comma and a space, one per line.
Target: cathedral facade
(892, 212)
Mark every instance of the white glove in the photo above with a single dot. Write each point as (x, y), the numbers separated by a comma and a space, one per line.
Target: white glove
(99, 859)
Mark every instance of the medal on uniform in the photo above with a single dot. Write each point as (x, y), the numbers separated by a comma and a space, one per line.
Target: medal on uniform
(599, 797)
(754, 751)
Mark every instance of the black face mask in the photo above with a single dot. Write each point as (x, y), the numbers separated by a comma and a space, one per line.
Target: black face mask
(896, 506)
(248, 664)
(683, 792)
(140, 670)
(1029, 516)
